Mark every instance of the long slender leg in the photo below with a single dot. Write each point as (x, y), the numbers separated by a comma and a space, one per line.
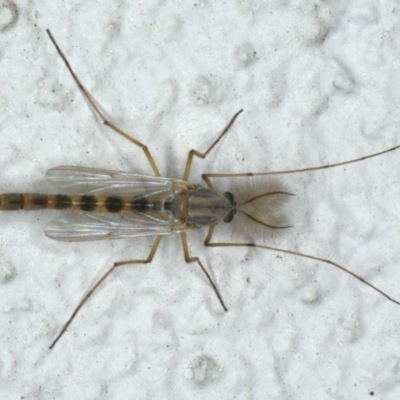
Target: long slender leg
(206, 177)
(203, 155)
(101, 280)
(310, 257)
(90, 100)
(189, 259)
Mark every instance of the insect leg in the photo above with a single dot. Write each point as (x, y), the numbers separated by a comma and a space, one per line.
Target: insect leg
(90, 100)
(189, 259)
(206, 177)
(310, 257)
(203, 155)
(101, 280)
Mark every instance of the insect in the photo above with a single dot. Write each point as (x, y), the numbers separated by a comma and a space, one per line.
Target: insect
(112, 204)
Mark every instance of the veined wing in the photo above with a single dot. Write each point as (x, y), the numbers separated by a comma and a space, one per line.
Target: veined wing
(81, 180)
(96, 226)
(98, 182)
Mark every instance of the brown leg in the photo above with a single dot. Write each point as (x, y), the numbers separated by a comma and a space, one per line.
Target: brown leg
(189, 259)
(203, 155)
(206, 177)
(101, 280)
(310, 257)
(90, 100)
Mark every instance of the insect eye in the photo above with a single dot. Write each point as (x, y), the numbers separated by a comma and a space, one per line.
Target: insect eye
(230, 197)
(229, 217)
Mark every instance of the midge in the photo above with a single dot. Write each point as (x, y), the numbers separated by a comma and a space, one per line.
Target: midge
(112, 204)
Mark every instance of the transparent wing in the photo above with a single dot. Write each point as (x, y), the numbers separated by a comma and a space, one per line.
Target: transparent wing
(81, 180)
(96, 226)
(100, 182)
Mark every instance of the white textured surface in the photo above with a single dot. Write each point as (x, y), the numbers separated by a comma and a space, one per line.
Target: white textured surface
(319, 82)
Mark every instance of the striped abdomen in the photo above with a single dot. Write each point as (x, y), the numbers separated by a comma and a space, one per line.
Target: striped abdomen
(36, 201)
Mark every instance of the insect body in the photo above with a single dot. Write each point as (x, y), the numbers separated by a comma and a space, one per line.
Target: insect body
(111, 204)
(121, 204)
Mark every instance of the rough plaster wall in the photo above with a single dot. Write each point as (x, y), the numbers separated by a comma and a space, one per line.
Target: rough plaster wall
(319, 82)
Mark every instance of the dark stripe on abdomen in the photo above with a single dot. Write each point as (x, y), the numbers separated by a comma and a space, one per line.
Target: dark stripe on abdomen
(114, 204)
(142, 204)
(85, 203)
(88, 203)
(139, 204)
(12, 201)
(36, 201)
(62, 202)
